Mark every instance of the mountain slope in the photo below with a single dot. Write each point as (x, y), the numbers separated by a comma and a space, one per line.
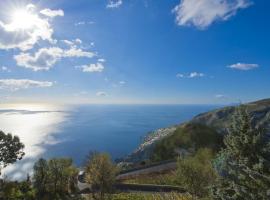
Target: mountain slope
(204, 125)
(220, 119)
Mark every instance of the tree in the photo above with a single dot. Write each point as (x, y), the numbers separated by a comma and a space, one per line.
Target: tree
(195, 173)
(100, 174)
(55, 178)
(244, 162)
(11, 149)
(13, 190)
(41, 177)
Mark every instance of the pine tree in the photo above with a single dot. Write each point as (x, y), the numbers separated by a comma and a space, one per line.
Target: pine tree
(245, 162)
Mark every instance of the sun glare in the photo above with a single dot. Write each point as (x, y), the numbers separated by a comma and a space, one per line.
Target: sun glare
(23, 19)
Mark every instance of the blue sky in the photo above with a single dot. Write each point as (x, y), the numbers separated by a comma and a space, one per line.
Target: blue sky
(134, 51)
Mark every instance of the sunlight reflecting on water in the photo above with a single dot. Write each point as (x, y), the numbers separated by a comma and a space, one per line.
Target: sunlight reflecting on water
(36, 126)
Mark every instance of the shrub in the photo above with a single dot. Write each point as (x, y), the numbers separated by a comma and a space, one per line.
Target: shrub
(196, 173)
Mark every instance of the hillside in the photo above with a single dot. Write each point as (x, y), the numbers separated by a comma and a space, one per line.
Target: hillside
(204, 130)
(221, 118)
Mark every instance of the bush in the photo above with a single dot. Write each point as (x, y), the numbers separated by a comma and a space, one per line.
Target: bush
(196, 173)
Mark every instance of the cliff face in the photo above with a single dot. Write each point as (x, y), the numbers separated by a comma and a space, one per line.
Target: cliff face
(219, 120)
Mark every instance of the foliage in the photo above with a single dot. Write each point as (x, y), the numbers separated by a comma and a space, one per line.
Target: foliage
(100, 174)
(196, 173)
(245, 162)
(192, 136)
(55, 178)
(11, 149)
(17, 190)
(148, 196)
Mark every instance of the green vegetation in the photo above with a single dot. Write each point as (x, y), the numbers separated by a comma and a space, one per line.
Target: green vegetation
(11, 149)
(244, 163)
(55, 178)
(100, 174)
(17, 190)
(191, 137)
(147, 196)
(196, 174)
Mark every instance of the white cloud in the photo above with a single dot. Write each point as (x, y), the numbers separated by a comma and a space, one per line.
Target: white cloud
(191, 75)
(84, 23)
(68, 42)
(195, 74)
(202, 13)
(180, 75)
(17, 84)
(76, 52)
(220, 96)
(5, 69)
(52, 13)
(101, 60)
(46, 58)
(119, 84)
(25, 30)
(78, 41)
(98, 67)
(79, 23)
(101, 94)
(73, 43)
(114, 3)
(244, 66)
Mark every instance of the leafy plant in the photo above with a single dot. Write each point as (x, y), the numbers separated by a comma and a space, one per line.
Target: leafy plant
(245, 162)
(11, 149)
(195, 173)
(100, 174)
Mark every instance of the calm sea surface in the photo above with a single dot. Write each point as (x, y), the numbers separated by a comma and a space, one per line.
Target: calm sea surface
(49, 131)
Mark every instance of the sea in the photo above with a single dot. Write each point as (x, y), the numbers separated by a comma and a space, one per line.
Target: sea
(50, 131)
